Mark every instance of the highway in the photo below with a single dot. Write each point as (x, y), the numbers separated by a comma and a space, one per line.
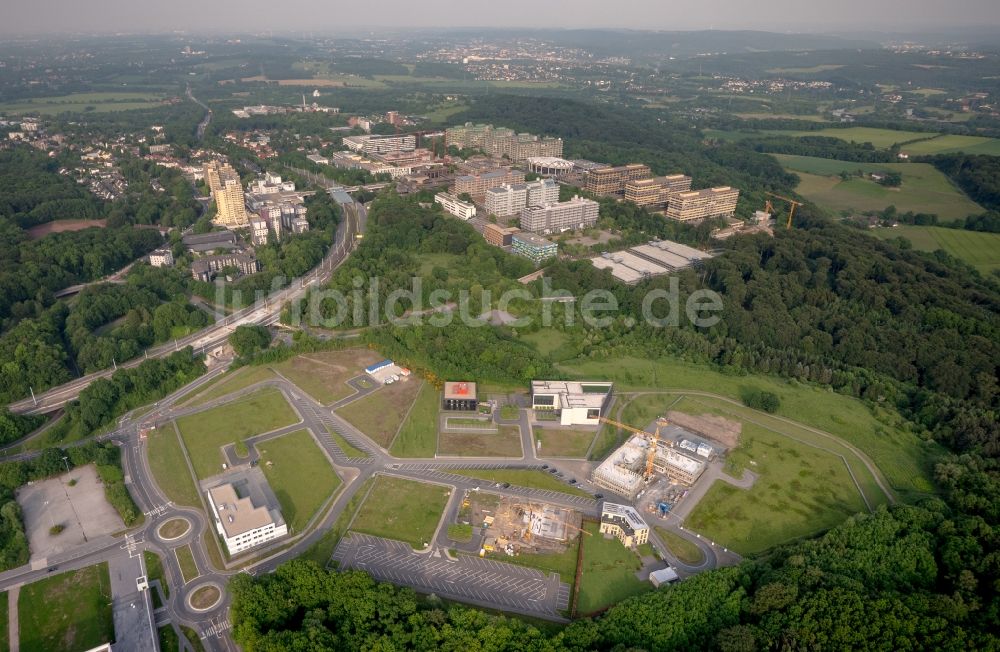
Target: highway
(263, 313)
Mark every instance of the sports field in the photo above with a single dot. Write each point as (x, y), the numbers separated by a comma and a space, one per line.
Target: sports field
(981, 250)
(924, 188)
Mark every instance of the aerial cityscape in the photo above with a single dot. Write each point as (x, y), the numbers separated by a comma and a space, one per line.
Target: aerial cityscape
(478, 329)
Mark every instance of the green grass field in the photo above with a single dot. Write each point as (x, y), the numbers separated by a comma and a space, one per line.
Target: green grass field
(189, 570)
(380, 413)
(321, 551)
(563, 563)
(981, 250)
(504, 443)
(924, 188)
(880, 138)
(69, 611)
(418, 435)
(349, 449)
(154, 571)
(206, 432)
(231, 382)
(82, 102)
(681, 548)
(300, 476)
(166, 460)
(546, 341)
(563, 442)
(905, 459)
(954, 143)
(324, 375)
(608, 575)
(529, 478)
(461, 532)
(169, 641)
(800, 491)
(403, 510)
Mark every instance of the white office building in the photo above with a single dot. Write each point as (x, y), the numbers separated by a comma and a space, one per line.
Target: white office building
(507, 199)
(542, 192)
(455, 206)
(577, 213)
(246, 512)
(574, 403)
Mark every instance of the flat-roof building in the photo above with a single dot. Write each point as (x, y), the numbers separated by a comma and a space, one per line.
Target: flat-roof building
(656, 191)
(653, 259)
(701, 204)
(381, 144)
(577, 213)
(507, 199)
(460, 396)
(663, 576)
(502, 142)
(575, 403)
(452, 204)
(205, 269)
(623, 522)
(246, 512)
(533, 247)
(611, 181)
(499, 236)
(620, 471)
(476, 185)
(204, 242)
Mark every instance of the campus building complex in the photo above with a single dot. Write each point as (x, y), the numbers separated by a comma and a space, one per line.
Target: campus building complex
(701, 204)
(511, 199)
(455, 206)
(611, 181)
(573, 403)
(624, 523)
(577, 213)
(500, 142)
(246, 512)
(476, 185)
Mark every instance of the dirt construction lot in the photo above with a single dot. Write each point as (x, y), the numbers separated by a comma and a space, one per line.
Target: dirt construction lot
(81, 509)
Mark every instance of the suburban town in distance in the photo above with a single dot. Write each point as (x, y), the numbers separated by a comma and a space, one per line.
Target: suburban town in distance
(611, 329)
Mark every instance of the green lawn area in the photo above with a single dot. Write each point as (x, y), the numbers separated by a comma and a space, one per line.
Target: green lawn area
(460, 532)
(193, 639)
(505, 443)
(546, 340)
(299, 474)
(455, 422)
(563, 442)
(166, 460)
(418, 435)
(69, 611)
(681, 548)
(168, 639)
(154, 571)
(4, 622)
(189, 570)
(954, 143)
(800, 491)
(206, 432)
(321, 551)
(924, 188)
(530, 478)
(608, 573)
(349, 449)
(562, 563)
(324, 375)
(905, 459)
(403, 510)
(981, 250)
(508, 412)
(233, 381)
(380, 413)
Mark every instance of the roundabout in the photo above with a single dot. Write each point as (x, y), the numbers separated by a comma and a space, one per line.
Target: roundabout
(173, 529)
(205, 597)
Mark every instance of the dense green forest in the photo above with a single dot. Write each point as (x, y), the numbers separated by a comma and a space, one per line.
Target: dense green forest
(32, 191)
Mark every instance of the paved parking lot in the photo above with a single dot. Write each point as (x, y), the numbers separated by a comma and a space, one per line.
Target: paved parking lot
(453, 478)
(469, 579)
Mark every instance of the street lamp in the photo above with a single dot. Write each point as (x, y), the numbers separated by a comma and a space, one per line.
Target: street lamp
(66, 460)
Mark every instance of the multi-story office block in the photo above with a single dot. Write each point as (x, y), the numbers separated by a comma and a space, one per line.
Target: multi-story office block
(701, 204)
(577, 213)
(611, 181)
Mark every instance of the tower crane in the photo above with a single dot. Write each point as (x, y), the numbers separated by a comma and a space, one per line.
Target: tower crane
(653, 438)
(769, 207)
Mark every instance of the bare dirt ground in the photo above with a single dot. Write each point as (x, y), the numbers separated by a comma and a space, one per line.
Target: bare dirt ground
(59, 226)
(714, 427)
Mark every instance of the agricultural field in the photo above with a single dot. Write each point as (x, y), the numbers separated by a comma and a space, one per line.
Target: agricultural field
(901, 456)
(609, 572)
(981, 250)
(954, 143)
(83, 103)
(418, 435)
(205, 433)
(563, 442)
(924, 188)
(324, 375)
(69, 611)
(299, 474)
(404, 510)
(880, 138)
(380, 414)
(505, 443)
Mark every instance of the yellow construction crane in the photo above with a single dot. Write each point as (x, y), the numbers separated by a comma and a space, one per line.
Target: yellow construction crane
(769, 207)
(654, 439)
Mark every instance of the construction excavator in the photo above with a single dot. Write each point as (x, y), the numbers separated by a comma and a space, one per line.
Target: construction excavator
(653, 438)
(769, 207)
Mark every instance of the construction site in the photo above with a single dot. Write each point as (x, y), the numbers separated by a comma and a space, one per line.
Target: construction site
(510, 525)
(678, 454)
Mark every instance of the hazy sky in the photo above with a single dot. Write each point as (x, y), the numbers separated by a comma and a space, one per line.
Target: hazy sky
(46, 16)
